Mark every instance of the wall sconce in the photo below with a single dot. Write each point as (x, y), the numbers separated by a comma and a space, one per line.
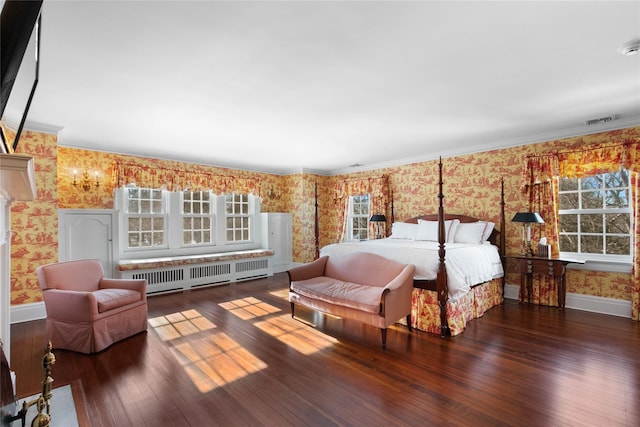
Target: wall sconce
(85, 182)
(271, 194)
(377, 219)
(527, 218)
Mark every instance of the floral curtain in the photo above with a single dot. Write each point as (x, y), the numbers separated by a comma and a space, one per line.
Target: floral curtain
(177, 180)
(540, 183)
(378, 190)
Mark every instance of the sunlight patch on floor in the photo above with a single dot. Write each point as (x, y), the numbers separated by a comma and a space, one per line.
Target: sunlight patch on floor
(180, 324)
(282, 293)
(215, 360)
(249, 308)
(297, 335)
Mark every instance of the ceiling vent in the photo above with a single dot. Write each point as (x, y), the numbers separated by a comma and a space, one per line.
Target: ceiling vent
(599, 121)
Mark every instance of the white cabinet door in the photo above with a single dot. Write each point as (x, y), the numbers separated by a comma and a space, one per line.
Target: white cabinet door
(87, 234)
(276, 231)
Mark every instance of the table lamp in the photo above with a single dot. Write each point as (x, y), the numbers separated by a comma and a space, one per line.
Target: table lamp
(377, 219)
(527, 218)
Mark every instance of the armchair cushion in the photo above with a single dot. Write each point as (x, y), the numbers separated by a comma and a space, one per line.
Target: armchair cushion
(108, 299)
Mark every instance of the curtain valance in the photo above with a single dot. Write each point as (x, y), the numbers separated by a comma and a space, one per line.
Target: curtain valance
(376, 187)
(581, 161)
(178, 180)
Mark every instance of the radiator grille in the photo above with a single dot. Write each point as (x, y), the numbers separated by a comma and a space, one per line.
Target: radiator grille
(210, 271)
(258, 264)
(164, 276)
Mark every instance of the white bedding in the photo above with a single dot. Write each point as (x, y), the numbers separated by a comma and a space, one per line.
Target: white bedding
(466, 264)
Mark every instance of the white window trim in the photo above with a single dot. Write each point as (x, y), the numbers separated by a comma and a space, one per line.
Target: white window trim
(351, 216)
(173, 229)
(601, 262)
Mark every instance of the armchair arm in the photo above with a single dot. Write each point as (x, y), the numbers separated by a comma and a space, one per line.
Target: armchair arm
(74, 306)
(308, 271)
(139, 285)
(396, 297)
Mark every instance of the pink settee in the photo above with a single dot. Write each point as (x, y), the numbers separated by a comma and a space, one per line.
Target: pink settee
(361, 286)
(87, 312)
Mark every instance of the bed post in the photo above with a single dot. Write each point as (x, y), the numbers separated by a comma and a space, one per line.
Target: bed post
(393, 215)
(441, 280)
(317, 227)
(503, 236)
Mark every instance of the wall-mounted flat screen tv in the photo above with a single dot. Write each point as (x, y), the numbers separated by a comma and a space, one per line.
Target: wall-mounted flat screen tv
(20, 38)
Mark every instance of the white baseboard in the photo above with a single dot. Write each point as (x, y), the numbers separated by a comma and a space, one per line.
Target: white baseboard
(27, 312)
(610, 306)
(614, 307)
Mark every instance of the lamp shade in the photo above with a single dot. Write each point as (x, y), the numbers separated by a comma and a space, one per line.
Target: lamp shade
(378, 218)
(528, 217)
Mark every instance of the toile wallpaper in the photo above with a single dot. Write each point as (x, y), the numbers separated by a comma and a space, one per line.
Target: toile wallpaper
(471, 186)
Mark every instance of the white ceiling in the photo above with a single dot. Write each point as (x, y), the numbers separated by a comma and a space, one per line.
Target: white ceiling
(294, 86)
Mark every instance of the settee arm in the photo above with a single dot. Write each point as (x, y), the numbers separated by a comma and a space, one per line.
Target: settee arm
(72, 306)
(139, 285)
(396, 296)
(308, 271)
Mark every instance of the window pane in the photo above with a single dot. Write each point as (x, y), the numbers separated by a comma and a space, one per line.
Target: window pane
(186, 237)
(617, 198)
(592, 200)
(592, 182)
(134, 240)
(145, 206)
(568, 184)
(569, 200)
(158, 224)
(134, 224)
(618, 223)
(186, 223)
(568, 223)
(132, 206)
(145, 224)
(569, 243)
(591, 223)
(617, 245)
(591, 244)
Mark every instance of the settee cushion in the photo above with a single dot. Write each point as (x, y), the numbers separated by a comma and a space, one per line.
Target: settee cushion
(108, 299)
(338, 292)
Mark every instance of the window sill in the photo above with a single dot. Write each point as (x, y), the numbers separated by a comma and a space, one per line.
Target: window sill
(609, 267)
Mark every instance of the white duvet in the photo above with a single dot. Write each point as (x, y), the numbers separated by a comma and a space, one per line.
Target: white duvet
(466, 264)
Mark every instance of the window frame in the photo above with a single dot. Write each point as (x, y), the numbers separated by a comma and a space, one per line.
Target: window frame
(173, 228)
(603, 261)
(238, 217)
(352, 215)
(127, 215)
(210, 216)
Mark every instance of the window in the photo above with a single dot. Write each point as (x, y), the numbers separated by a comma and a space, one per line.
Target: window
(358, 221)
(237, 212)
(197, 218)
(169, 223)
(145, 216)
(595, 217)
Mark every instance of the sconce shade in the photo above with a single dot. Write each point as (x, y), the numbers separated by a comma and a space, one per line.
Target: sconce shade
(528, 217)
(378, 218)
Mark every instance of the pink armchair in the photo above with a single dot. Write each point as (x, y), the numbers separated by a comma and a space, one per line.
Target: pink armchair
(87, 312)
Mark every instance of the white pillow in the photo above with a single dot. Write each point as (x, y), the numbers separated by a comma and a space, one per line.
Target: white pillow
(487, 230)
(428, 230)
(404, 230)
(470, 232)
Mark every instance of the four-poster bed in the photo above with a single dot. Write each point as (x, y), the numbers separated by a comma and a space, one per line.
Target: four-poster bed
(448, 291)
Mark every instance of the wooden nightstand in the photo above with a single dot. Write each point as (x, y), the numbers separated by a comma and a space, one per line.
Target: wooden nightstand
(552, 266)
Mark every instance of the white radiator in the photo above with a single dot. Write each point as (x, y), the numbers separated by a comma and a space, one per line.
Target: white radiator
(177, 278)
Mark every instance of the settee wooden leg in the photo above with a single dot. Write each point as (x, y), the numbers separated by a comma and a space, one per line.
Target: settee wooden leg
(292, 309)
(409, 322)
(383, 331)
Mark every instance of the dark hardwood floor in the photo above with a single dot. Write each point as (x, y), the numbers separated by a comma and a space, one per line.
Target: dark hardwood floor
(232, 355)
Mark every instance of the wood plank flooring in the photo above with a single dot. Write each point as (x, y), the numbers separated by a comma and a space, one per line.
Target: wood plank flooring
(232, 356)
